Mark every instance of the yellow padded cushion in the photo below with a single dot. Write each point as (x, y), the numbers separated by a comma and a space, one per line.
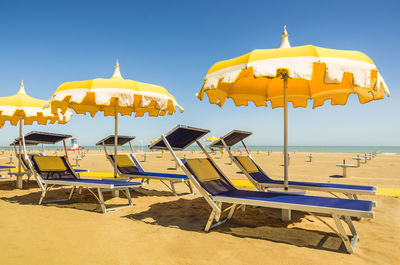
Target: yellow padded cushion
(203, 169)
(49, 163)
(125, 161)
(248, 165)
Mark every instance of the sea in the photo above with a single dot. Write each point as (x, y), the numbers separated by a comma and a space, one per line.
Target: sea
(264, 148)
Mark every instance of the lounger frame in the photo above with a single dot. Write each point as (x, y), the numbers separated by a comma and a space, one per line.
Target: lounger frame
(46, 184)
(349, 193)
(147, 176)
(216, 203)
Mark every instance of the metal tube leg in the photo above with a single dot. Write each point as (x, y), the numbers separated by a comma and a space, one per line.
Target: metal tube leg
(344, 172)
(43, 194)
(71, 193)
(115, 193)
(173, 187)
(102, 204)
(286, 215)
(232, 210)
(342, 233)
(190, 187)
(128, 196)
(209, 222)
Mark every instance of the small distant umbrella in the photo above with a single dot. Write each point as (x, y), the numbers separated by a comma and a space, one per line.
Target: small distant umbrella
(114, 96)
(212, 139)
(154, 140)
(24, 109)
(294, 74)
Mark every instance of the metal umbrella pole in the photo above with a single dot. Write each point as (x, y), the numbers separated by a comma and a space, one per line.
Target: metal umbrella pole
(116, 139)
(20, 146)
(285, 75)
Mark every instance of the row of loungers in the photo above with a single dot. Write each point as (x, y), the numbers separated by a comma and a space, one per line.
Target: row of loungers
(208, 179)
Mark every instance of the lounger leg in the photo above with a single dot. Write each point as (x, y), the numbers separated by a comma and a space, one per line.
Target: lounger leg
(71, 193)
(173, 187)
(190, 187)
(286, 215)
(101, 198)
(115, 193)
(342, 232)
(43, 194)
(232, 210)
(128, 196)
(209, 222)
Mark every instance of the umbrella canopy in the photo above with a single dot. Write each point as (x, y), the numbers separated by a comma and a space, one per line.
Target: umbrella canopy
(22, 107)
(294, 74)
(212, 139)
(25, 109)
(114, 96)
(101, 94)
(313, 73)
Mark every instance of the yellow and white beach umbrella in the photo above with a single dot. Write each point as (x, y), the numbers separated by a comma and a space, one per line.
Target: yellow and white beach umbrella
(212, 139)
(114, 96)
(154, 140)
(294, 74)
(24, 109)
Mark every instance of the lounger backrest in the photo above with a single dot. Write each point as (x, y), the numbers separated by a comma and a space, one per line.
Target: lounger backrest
(208, 175)
(52, 167)
(127, 164)
(252, 168)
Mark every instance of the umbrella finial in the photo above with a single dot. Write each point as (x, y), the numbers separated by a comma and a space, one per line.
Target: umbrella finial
(117, 73)
(285, 39)
(21, 88)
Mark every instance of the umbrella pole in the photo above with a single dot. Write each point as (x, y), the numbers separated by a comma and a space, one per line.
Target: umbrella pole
(285, 137)
(115, 139)
(20, 146)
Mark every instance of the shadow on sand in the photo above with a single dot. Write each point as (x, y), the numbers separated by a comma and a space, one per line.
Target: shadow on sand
(81, 201)
(257, 223)
(336, 176)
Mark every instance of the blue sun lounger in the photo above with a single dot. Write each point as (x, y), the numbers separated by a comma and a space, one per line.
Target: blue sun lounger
(216, 189)
(30, 140)
(56, 171)
(6, 168)
(261, 180)
(128, 165)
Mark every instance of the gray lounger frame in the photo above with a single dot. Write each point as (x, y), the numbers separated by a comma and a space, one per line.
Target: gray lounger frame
(349, 193)
(46, 184)
(216, 203)
(145, 178)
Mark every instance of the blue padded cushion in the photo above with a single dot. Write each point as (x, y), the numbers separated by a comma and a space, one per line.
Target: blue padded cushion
(262, 178)
(104, 181)
(81, 170)
(317, 184)
(213, 187)
(165, 175)
(6, 167)
(347, 204)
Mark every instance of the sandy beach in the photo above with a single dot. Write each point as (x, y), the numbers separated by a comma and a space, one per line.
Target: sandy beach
(165, 229)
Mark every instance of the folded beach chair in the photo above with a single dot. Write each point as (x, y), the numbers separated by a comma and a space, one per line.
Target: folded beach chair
(128, 165)
(261, 180)
(53, 171)
(216, 189)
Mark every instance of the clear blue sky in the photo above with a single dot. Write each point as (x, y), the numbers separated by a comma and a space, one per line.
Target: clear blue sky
(173, 44)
